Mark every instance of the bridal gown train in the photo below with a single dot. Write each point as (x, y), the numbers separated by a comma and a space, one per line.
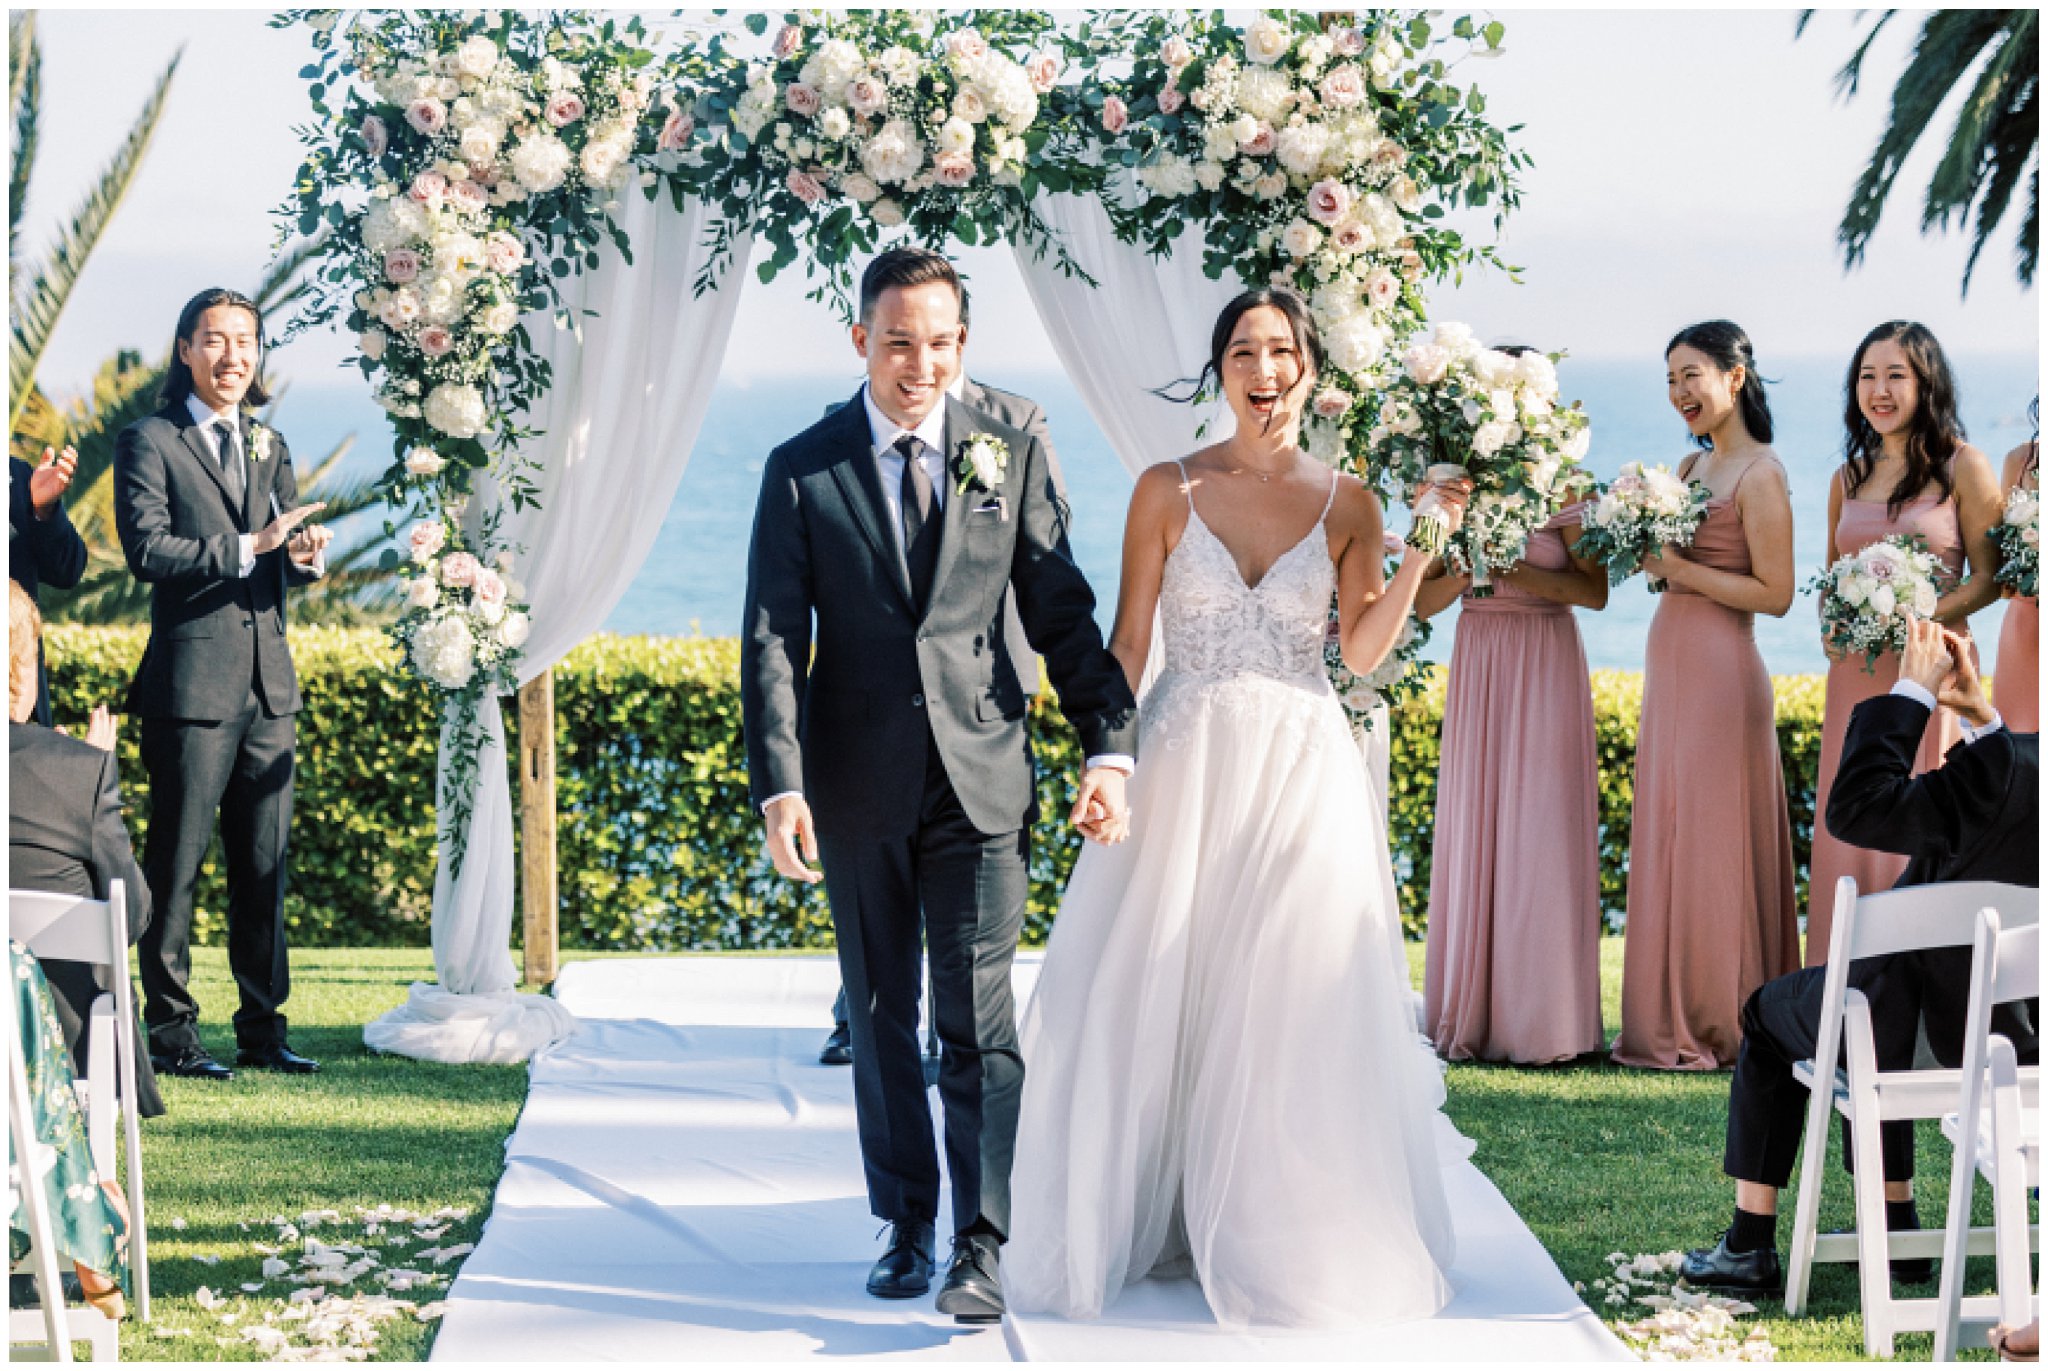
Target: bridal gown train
(1223, 1076)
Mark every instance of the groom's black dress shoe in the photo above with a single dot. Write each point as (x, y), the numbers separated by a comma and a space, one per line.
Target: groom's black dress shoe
(277, 1057)
(973, 1292)
(905, 1270)
(194, 1063)
(838, 1049)
(1738, 1273)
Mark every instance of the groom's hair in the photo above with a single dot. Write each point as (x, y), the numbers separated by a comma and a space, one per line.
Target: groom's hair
(907, 266)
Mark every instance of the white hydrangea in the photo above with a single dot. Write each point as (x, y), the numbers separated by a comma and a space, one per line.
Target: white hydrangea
(894, 155)
(1170, 177)
(394, 223)
(541, 163)
(1355, 344)
(832, 67)
(514, 630)
(456, 410)
(1302, 148)
(444, 651)
(604, 161)
(1265, 93)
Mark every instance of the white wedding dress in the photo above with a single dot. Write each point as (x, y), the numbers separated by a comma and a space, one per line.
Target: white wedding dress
(1223, 1073)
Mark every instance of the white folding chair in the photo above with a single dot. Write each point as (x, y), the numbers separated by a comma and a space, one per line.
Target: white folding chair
(73, 928)
(1997, 1133)
(1913, 919)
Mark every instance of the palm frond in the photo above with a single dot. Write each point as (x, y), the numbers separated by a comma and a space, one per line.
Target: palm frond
(43, 292)
(1960, 173)
(2004, 159)
(25, 108)
(1850, 78)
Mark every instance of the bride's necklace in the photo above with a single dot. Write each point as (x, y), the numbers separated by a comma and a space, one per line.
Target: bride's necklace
(1247, 469)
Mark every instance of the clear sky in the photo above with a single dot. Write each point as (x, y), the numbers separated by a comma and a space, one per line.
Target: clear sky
(1688, 164)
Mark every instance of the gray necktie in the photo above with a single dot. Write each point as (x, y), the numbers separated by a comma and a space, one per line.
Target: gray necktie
(920, 530)
(224, 447)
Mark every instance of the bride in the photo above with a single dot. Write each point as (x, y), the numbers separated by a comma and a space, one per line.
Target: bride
(1224, 1074)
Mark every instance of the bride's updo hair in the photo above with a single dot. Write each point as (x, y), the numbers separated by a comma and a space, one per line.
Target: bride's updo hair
(1299, 319)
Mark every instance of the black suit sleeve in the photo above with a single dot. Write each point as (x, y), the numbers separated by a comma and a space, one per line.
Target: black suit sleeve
(1878, 803)
(1058, 612)
(775, 642)
(285, 486)
(52, 545)
(142, 516)
(113, 858)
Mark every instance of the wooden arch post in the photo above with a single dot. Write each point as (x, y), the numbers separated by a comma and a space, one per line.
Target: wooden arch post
(537, 828)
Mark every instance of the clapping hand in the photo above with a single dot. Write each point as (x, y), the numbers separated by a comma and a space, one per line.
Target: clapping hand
(1926, 661)
(51, 478)
(278, 530)
(100, 730)
(306, 544)
(1963, 690)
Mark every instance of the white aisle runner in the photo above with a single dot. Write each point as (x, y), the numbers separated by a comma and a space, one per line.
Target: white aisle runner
(684, 1185)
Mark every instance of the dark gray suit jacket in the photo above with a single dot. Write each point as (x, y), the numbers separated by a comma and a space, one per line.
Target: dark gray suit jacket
(848, 727)
(1024, 415)
(211, 630)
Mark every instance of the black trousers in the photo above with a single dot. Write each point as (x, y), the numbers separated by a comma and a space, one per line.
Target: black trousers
(239, 770)
(961, 893)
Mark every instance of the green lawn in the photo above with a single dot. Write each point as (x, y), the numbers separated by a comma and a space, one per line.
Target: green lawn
(1597, 1160)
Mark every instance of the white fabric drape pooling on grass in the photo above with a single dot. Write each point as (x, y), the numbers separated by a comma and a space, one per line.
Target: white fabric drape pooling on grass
(632, 383)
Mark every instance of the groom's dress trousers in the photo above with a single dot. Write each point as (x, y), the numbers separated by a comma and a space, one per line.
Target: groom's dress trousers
(217, 698)
(1974, 819)
(877, 682)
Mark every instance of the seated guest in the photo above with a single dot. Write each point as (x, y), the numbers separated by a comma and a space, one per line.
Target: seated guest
(88, 1221)
(64, 829)
(1973, 819)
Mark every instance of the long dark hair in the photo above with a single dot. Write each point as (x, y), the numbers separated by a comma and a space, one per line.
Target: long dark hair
(1932, 436)
(178, 376)
(1728, 347)
(1300, 320)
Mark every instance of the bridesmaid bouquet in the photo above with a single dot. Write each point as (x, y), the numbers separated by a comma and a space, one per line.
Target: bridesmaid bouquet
(1456, 409)
(2018, 536)
(1867, 599)
(1642, 511)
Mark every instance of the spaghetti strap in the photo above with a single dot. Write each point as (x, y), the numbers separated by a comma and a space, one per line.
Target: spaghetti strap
(1330, 503)
(1187, 487)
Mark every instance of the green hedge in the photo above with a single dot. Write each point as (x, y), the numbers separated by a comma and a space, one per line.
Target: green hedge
(659, 848)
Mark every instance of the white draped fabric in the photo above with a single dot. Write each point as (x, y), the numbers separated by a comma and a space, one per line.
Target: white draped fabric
(631, 387)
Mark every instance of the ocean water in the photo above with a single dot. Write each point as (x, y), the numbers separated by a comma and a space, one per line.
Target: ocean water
(693, 579)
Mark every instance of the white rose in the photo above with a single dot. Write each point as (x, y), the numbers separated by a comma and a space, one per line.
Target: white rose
(603, 160)
(835, 123)
(372, 341)
(513, 632)
(894, 155)
(1267, 40)
(956, 135)
(424, 461)
(1884, 600)
(1490, 437)
(500, 318)
(860, 188)
(476, 57)
(479, 142)
(1455, 339)
(886, 213)
(456, 410)
(1300, 238)
(1210, 175)
(1537, 373)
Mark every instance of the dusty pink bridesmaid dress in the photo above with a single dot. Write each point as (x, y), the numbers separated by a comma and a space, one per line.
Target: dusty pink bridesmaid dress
(1863, 522)
(1712, 900)
(1513, 972)
(2016, 690)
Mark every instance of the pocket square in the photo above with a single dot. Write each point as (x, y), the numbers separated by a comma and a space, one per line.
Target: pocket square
(998, 506)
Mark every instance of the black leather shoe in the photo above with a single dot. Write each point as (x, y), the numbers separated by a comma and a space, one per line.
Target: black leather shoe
(905, 1270)
(838, 1049)
(1735, 1273)
(193, 1063)
(973, 1292)
(278, 1058)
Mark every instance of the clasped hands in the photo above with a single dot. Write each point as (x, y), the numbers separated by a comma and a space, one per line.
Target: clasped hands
(1940, 662)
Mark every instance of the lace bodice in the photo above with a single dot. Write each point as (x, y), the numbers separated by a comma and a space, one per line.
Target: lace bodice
(1215, 626)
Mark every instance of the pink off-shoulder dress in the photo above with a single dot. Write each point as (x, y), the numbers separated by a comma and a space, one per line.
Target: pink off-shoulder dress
(1712, 900)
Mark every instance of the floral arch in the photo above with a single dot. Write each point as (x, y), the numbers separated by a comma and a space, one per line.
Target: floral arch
(468, 173)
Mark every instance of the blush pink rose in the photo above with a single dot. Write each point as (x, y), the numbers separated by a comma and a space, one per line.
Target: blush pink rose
(787, 40)
(1343, 88)
(866, 95)
(564, 108)
(968, 45)
(1043, 69)
(1351, 236)
(1348, 43)
(375, 136)
(484, 174)
(1389, 155)
(675, 133)
(429, 187)
(1171, 101)
(429, 116)
(802, 98)
(401, 265)
(436, 341)
(1382, 287)
(490, 587)
(469, 195)
(1115, 115)
(1411, 265)
(954, 169)
(426, 539)
(504, 254)
(805, 187)
(1332, 403)
(1261, 142)
(1328, 202)
(1176, 53)
(459, 569)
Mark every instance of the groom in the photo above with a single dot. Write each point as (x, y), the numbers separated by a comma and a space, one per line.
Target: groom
(888, 537)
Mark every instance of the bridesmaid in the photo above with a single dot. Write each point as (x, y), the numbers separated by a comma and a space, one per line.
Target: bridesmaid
(1513, 972)
(1906, 470)
(2018, 686)
(1712, 903)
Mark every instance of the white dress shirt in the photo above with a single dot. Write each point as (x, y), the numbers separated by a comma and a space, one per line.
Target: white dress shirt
(1913, 690)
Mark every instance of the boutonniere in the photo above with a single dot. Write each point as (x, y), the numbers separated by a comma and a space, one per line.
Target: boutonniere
(259, 443)
(982, 461)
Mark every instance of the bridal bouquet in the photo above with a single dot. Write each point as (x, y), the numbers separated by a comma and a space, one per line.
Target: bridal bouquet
(1644, 509)
(1868, 598)
(2018, 536)
(1456, 409)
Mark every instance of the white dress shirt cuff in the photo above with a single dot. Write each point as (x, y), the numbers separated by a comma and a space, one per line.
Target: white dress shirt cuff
(1913, 690)
(780, 795)
(1971, 734)
(1115, 761)
(248, 555)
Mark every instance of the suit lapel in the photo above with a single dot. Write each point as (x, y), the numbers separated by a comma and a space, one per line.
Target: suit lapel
(202, 453)
(960, 426)
(860, 483)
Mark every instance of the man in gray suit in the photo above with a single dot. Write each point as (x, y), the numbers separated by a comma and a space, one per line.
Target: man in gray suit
(207, 507)
(890, 536)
